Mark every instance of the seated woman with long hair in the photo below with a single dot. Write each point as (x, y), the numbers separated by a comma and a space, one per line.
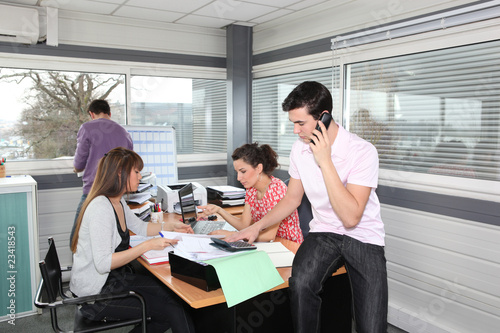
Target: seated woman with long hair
(101, 249)
(254, 165)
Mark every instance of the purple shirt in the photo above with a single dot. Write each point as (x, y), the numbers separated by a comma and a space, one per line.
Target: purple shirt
(95, 138)
(356, 162)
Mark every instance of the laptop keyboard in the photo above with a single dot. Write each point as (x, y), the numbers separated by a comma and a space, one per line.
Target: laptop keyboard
(206, 227)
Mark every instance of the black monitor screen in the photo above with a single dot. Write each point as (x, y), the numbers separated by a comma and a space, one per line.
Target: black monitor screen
(187, 202)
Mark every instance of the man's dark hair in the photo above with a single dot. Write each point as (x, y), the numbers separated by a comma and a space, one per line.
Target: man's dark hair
(312, 95)
(98, 106)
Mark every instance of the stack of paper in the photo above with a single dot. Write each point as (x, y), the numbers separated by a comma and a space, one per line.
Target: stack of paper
(279, 254)
(195, 247)
(142, 211)
(137, 198)
(226, 195)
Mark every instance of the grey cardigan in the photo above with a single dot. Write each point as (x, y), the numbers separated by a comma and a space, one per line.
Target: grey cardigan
(97, 241)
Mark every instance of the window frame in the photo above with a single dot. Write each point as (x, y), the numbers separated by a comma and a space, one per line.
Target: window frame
(483, 31)
(54, 63)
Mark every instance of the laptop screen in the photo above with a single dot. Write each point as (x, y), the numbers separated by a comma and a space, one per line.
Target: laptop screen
(187, 203)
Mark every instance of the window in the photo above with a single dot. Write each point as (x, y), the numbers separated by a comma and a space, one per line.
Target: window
(270, 124)
(43, 110)
(196, 108)
(435, 112)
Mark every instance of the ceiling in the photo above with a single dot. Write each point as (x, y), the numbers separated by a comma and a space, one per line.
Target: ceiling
(203, 13)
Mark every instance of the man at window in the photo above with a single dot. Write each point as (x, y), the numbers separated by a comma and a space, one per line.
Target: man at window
(95, 138)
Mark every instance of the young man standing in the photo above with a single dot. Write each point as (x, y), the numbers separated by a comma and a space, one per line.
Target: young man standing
(95, 138)
(338, 171)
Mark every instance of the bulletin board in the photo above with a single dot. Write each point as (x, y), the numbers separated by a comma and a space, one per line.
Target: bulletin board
(157, 148)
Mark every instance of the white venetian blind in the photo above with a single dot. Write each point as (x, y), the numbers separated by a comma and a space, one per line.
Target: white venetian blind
(270, 125)
(434, 112)
(196, 108)
(210, 116)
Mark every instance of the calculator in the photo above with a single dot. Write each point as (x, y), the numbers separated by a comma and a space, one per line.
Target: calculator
(232, 246)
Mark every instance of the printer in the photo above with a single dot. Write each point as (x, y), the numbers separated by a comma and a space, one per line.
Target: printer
(168, 197)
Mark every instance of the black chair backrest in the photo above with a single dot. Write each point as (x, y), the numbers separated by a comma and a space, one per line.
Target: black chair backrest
(50, 269)
(305, 213)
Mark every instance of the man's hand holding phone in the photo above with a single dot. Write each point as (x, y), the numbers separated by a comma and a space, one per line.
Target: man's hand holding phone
(321, 146)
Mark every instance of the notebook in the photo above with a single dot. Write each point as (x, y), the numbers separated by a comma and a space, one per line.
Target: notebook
(189, 213)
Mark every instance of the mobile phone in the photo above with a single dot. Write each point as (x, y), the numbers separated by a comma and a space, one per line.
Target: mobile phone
(232, 246)
(326, 119)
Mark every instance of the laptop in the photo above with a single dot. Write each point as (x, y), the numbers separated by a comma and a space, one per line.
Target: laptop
(189, 213)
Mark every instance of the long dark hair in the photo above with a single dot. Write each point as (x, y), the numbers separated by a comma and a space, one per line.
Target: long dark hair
(111, 180)
(252, 154)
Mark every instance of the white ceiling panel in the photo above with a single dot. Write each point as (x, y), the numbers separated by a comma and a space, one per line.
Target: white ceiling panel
(274, 15)
(220, 13)
(275, 3)
(234, 10)
(147, 14)
(309, 3)
(87, 6)
(184, 6)
(204, 21)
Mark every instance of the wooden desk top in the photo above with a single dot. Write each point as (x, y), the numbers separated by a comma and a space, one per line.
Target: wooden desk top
(198, 298)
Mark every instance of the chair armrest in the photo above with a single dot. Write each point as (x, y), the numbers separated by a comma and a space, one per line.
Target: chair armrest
(101, 297)
(84, 299)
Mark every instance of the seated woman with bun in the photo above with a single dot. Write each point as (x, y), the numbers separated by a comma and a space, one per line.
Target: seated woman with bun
(254, 165)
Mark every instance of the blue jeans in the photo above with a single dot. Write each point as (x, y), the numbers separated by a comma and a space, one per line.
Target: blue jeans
(78, 209)
(162, 305)
(319, 256)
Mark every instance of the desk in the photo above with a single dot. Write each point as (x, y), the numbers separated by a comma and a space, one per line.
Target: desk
(211, 314)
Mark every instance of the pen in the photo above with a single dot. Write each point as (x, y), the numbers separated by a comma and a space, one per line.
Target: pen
(161, 234)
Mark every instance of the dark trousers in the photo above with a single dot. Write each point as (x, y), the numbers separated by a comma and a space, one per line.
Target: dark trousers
(319, 256)
(78, 209)
(165, 310)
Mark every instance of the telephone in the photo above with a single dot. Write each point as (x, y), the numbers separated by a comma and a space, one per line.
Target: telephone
(326, 119)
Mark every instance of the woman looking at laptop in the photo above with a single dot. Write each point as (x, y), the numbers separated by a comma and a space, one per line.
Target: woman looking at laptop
(254, 165)
(101, 250)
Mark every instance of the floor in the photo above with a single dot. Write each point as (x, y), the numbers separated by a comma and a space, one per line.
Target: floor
(41, 323)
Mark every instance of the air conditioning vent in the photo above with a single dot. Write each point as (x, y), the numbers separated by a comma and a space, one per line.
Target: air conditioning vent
(19, 25)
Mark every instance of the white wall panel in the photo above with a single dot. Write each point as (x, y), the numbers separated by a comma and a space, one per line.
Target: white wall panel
(444, 273)
(56, 212)
(95, 30)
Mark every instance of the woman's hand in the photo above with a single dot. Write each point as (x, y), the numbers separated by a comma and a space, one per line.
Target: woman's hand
(222, 232)
(209, 210)
(159, 243)
(249, 234)
(181, 227)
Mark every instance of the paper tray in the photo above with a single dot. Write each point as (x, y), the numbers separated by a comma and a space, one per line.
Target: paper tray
(198, 274)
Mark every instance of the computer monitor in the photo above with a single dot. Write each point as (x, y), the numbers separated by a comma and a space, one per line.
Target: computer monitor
(187, 203)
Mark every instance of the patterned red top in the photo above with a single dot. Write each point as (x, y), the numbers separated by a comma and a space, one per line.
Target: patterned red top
(289, 228)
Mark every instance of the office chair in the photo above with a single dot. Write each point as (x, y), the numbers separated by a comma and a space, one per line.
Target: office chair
(305, 213)
(51, 283)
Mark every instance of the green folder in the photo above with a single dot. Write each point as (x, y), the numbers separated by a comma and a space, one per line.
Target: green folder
(245, 275)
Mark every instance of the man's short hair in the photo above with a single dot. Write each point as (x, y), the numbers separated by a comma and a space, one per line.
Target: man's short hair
(98, 106)
(312, 95)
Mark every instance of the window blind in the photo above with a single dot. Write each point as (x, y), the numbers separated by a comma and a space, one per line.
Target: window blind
(270, 125)
(434, 112)
(196, 108)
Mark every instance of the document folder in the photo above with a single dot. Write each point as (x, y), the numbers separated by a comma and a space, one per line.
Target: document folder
(198, 274)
